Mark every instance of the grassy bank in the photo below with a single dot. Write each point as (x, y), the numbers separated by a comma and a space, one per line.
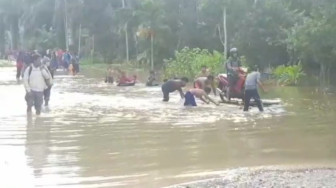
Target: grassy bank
(6, 63)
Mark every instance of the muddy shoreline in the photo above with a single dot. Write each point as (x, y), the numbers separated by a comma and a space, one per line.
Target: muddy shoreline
(309, 177)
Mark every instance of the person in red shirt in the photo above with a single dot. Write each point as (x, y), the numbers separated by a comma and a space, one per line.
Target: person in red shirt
(19, 65)
(124, 80)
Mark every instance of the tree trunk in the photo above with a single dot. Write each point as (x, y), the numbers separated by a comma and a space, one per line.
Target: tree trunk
(225, 32)
(126, 41)
(2, 37)
(15, 31)
(66, 25)
(152, 51)
(323, 72)
(79, 39)
(328, 75)
(59, 25)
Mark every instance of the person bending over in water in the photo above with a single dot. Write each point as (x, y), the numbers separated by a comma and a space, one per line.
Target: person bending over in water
(173, 85)
(124, 80)
(204, 82)
(198, 93)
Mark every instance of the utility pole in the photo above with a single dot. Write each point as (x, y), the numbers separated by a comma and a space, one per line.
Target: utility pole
(79, 39)
(126, 33)
(93, 48)
(152, 50)
(66, 24)
(225, 32)
(126, 41)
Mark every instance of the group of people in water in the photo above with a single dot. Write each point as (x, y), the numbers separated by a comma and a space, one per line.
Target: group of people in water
(203, 84)
(37, 69)
(38, 73)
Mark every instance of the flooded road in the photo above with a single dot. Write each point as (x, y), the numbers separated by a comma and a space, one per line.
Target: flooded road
(98, 135)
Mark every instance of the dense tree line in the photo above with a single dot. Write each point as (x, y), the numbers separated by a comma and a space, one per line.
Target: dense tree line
(266, 32)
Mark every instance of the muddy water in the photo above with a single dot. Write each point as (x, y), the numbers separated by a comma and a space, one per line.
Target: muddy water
(98, 135)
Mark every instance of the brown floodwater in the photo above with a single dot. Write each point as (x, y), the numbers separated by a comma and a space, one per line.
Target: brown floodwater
(100, 135)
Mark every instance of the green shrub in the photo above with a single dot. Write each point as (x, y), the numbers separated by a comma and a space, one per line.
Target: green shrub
(289, 75)
(88, 61)
(188, 63)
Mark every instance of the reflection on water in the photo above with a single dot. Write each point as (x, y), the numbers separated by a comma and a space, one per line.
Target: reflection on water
(37, 144)
(98, 135)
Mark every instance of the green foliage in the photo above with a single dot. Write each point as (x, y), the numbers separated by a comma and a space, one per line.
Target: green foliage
(188, 62)
(42, 40)
(5, 63)
(90, 61)
(289, 75)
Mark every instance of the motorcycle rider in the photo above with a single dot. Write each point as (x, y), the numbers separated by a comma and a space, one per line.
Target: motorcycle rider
(232, 66)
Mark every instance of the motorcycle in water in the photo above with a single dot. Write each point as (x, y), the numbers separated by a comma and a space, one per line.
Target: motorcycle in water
(226, 93)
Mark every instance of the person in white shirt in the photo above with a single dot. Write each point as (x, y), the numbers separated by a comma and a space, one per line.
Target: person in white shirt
(36, 80)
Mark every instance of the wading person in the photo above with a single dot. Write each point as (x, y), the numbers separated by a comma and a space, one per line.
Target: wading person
(151, 81)
(36, 79)
(204, 71)
(251, 89)
(198, 93)
(125, 80)
(109, 76)
(19, 65)
(232, 66)
(204, 82)
(66, 60)
(46, 65)
(27, 61)
(173, 85)
(53, 64)
(75, 64)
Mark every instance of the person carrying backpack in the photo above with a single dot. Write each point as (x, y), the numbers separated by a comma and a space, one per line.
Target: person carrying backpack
(36, 79)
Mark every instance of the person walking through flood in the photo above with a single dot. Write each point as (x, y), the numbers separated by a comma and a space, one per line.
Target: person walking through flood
(46, 64)
(73, 67)
(36, 80)
(200, 94)
(27, 61)
(53, 64)
(151, 81)
(203, 82)
(204, 72)
(19, 65)
(251, 89)
(66, 60)
(124, 80)
(173, 85)
(109, 75)
(75, 64)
